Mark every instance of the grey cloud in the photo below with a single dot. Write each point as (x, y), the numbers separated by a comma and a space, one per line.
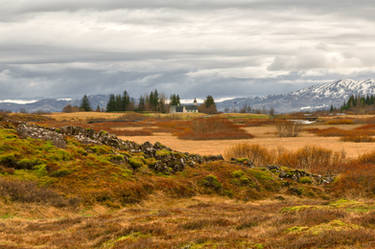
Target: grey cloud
(224, 48)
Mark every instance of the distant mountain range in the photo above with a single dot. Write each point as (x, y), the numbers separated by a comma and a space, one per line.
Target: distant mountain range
(317, 97)
(50, 105)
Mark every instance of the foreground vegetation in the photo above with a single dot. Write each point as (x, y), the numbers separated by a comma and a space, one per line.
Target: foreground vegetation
(96, 196)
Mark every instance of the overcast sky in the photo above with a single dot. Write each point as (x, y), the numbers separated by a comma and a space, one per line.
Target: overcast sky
(51, 48)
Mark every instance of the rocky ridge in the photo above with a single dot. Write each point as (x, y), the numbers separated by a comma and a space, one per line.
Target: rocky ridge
(165, 159)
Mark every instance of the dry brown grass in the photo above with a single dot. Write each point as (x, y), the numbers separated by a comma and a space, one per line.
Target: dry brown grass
(288, 128)
(311, 158)
(199, 222)
(255, 153)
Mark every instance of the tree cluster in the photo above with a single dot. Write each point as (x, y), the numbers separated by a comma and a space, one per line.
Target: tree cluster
(208, 106)
(174, 99)
(151, 102)
(358, 101)
(118, 103)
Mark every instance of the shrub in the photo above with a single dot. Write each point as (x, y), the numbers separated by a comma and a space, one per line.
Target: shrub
(254, 153)
(313, 159)
(288, 128)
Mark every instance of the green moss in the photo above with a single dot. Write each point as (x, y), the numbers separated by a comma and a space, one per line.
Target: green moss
(262, 174)
(9, 159)
(6, 216)
(58, 155)
(132, 236)
(361, 209)
(40, 170)
(163, 153)
(211, 181)
(127, 173)
(244, 180)
(61, 172)
(297, 229)
(116, 157)
(100, 149)
(258, 246)
(343, 203)
(238, 173)
(334, 225)
(28, 163)
(306, 180)
(298, 208)
(150, 161)
(241, 160)
(265, 178)
(136, 162)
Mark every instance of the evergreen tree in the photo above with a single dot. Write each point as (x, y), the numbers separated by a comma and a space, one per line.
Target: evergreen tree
(174, 99)
(125, 102)
(111, 105)
(141, 104)
(154, 100)
(118, 103)
(85, 104)
(209, 101)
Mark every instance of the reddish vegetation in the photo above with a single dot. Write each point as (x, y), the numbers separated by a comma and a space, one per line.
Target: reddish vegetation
(342, 121)
(206, 128)
(366, 130)
(358, 139)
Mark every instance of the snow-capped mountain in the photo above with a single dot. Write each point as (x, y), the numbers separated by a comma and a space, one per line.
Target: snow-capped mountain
(320, 96)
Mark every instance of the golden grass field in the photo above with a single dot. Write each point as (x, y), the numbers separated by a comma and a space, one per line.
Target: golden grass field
(198, 222)
(264, 135)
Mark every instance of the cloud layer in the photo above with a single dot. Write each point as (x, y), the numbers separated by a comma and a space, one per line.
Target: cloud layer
(54, 48)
